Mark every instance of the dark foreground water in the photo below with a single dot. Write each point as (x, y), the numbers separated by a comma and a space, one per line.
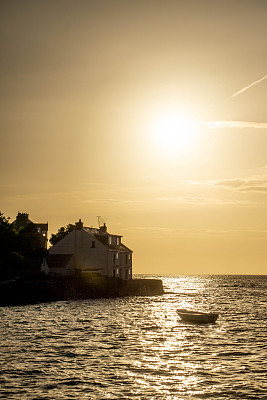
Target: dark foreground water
(137, 348)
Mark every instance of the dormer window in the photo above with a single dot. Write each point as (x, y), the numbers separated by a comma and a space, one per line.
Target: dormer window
(109, 240)
(118, 241)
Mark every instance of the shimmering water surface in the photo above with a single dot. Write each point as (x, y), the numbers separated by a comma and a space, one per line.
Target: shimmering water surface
(137, 348)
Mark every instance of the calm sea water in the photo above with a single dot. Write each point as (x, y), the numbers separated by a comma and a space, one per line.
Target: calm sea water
(137, 348)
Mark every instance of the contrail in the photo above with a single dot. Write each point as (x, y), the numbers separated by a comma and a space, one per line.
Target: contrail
(249, 86)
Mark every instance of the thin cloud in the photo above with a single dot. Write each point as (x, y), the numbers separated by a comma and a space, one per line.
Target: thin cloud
(243, 185)
(249, 86)
(261, 189)
(236, 124)
(256, 183)
(160, 231)
(112, 200)
(232, 183)
(200, 201)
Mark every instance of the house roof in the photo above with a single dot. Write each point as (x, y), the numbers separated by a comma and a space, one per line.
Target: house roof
(23, 219)
(91, 230)
(103, 238)
(124, 248)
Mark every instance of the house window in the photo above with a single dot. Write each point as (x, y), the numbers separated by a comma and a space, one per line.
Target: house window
(93, 244)
(115, 258)
(126, 274)
(118, 241)
(109, 240)
(114, 273)
(126, 258)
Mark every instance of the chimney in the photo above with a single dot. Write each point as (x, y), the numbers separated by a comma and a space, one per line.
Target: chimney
(103, 229)
(79, 225)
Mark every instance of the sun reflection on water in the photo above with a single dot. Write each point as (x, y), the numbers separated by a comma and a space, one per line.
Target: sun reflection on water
(138, 347)
(175, 359)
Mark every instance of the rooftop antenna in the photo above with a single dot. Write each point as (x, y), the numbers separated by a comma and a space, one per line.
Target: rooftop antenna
(98, 218)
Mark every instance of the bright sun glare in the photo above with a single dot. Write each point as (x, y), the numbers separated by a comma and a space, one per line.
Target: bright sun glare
(174, 133)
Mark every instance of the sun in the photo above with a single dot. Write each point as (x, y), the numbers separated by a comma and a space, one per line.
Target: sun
(173, 132)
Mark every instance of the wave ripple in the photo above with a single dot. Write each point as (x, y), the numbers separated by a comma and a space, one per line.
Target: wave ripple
(137, 348)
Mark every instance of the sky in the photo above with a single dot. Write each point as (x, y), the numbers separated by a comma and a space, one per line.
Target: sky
(151, 114)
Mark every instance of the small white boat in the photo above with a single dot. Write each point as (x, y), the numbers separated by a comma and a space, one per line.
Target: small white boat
(197, 317)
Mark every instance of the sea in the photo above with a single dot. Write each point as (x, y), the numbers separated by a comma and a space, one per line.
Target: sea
(137, 347)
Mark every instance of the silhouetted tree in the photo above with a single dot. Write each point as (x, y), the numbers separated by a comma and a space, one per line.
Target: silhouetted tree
(17, 246)
(61, 233)
(29, 241)
(7, 235)
(10, 259)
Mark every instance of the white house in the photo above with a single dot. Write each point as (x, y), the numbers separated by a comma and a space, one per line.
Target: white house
(93, 250)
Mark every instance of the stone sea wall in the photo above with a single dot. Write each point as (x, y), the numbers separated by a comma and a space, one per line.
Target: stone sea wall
(47, 289)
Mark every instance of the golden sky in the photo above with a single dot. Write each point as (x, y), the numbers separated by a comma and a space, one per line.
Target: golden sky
(150, 113)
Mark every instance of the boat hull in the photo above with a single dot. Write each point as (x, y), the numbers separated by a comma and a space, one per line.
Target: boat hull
(197, 317)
